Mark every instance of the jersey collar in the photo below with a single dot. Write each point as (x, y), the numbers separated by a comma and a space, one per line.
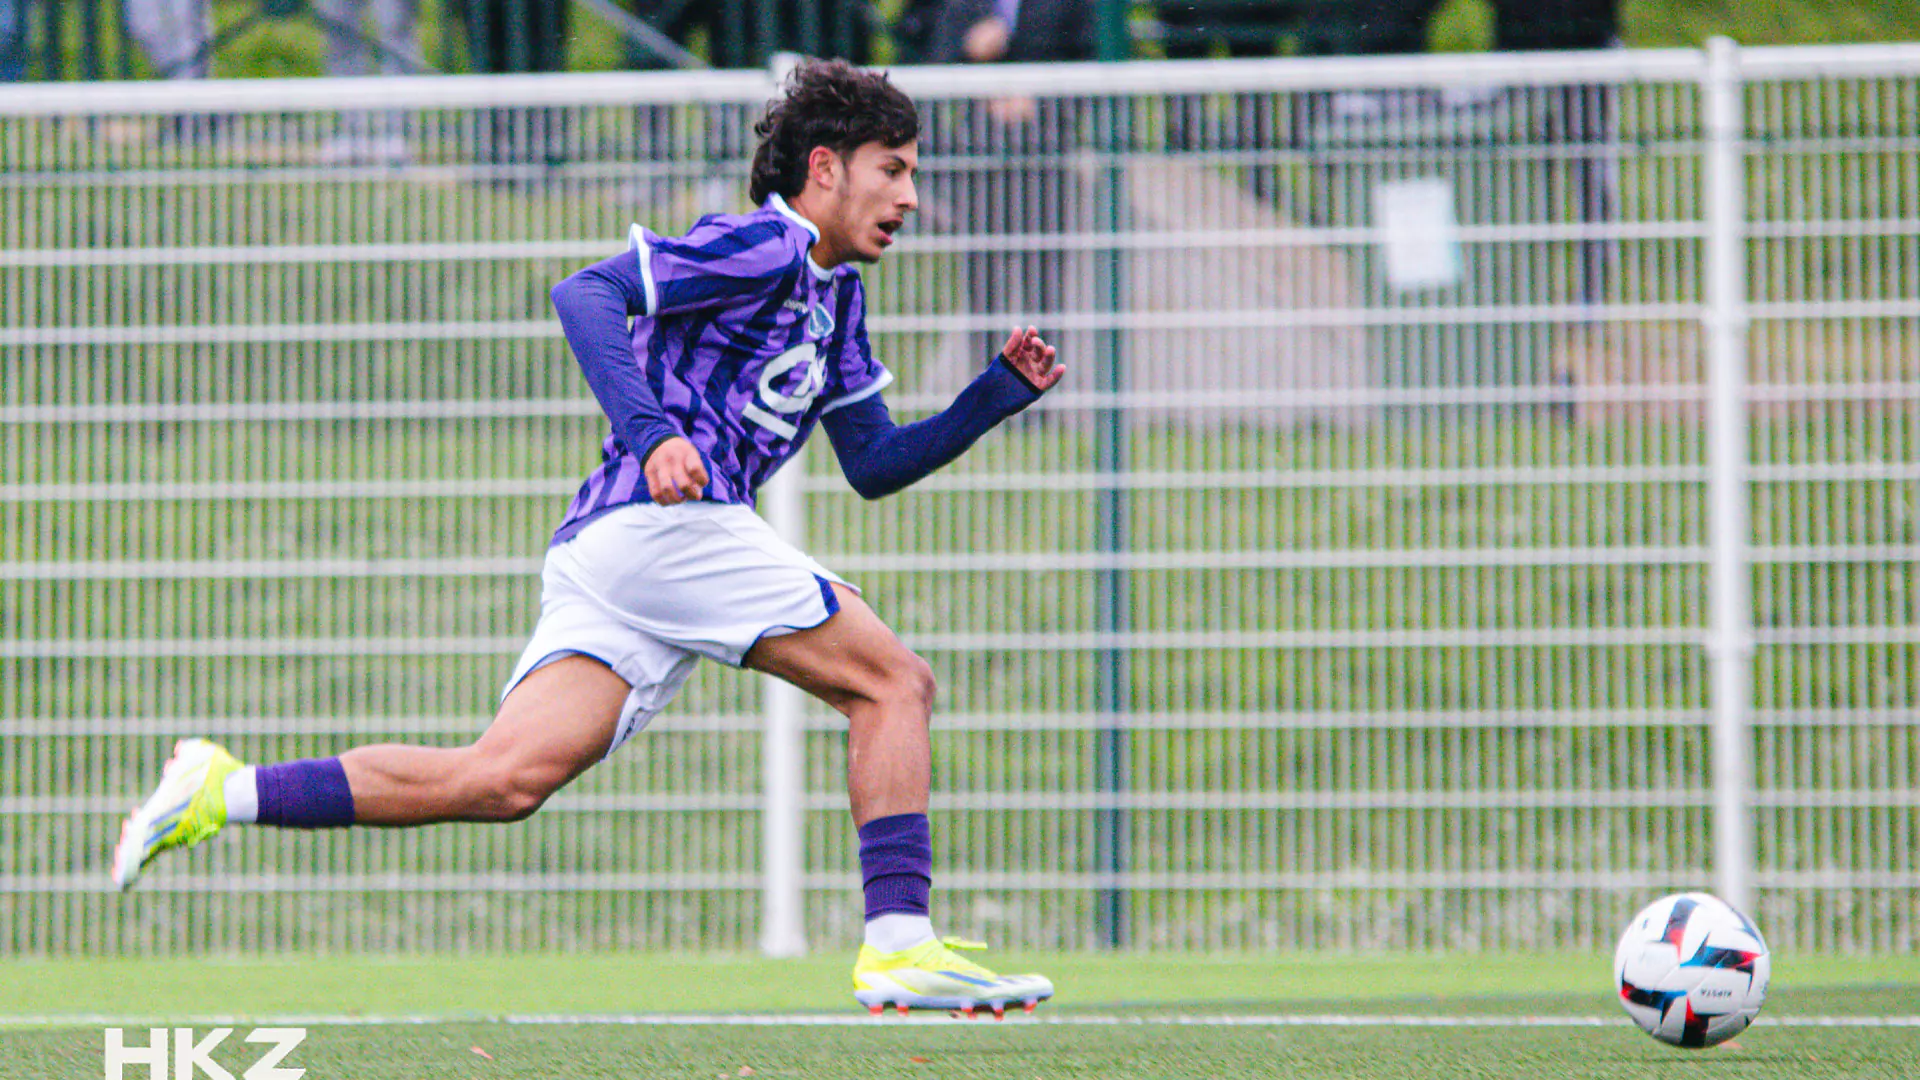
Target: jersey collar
(780, 204)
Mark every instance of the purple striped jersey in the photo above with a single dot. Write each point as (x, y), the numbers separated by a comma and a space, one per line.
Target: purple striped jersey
(746, 343)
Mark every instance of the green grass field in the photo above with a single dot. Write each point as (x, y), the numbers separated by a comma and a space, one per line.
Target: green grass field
(652, 1015)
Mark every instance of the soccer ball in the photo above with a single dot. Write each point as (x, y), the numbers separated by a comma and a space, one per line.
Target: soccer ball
(1691, 970)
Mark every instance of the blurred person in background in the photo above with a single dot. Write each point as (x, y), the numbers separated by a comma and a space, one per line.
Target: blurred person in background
(176, 34)
(13, 40)
(178, 38)
(1030, 190)
(354, 49)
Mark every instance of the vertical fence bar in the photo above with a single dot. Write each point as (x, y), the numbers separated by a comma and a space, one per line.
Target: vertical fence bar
(781, 810)
(1730, 637)
(1112, 601)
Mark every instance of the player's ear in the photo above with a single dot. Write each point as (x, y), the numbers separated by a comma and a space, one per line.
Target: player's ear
(824, 167)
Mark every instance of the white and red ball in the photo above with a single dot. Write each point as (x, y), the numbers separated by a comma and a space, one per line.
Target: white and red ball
(1691, 970)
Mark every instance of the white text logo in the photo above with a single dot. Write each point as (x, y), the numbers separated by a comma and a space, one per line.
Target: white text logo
(174, 1054)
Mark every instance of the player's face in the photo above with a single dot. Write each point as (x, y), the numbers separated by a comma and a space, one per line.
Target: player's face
(875, 197)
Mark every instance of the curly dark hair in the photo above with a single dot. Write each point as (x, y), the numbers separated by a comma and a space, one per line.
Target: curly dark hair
(828, 103)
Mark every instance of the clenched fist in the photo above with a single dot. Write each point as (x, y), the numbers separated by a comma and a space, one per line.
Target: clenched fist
(675, 473)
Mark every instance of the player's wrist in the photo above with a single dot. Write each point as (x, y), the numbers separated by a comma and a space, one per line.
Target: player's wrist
(653, 441)
(1013, 369)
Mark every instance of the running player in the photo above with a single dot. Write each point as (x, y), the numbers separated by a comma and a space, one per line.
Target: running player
(745, 333)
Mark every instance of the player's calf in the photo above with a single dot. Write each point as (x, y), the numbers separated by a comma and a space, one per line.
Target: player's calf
(395, 785)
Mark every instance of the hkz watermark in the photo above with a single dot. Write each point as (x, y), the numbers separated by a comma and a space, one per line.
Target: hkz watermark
(174, 1054)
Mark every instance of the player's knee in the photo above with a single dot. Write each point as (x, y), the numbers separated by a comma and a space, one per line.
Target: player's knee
(911, 683)
(896, 682)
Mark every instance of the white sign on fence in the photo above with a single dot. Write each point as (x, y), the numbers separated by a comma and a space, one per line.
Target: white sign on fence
(1418, 232)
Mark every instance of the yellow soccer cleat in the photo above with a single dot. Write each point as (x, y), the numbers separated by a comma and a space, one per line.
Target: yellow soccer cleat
(933, 976)
(189, 805)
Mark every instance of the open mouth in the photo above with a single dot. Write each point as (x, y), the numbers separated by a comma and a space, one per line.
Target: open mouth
(891, 226)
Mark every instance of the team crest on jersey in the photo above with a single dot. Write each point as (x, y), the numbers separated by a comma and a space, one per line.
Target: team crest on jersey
(820, 321)
(782, 396)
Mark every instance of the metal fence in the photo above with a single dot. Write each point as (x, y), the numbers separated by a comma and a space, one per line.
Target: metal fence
(1484, 497)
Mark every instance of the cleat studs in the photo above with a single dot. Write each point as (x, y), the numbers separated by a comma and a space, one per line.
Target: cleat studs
(966, 1011)
(1030, 1006)
(999, 1010)
(876, 1010)
(902, 1006)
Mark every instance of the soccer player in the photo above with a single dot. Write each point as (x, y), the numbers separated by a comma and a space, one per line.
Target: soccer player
(745, 333)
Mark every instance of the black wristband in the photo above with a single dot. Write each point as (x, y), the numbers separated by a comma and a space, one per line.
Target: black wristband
(1017, 373)
(657, 444)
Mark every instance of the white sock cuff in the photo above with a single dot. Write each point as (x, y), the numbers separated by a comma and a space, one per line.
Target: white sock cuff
(898, 932)
(242, 793)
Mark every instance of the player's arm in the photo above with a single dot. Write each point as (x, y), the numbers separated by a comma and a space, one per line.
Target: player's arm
(880, 458)
(656, 277)
(594, 305)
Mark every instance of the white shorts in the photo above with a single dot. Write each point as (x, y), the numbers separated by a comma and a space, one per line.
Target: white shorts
(648, 590)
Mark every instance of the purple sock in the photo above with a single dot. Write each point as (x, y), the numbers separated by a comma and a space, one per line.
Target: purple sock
(896, 862)
(310, 794)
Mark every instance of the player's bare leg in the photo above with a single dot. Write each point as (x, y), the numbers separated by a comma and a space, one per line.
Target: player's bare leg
(554, 725)
(856, 664)
(551, 728)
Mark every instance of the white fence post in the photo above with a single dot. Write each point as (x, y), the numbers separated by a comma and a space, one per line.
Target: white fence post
(1730, 641)
(781, 809)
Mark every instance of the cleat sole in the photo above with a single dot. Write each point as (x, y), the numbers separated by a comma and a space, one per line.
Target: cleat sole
(958, 1010)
